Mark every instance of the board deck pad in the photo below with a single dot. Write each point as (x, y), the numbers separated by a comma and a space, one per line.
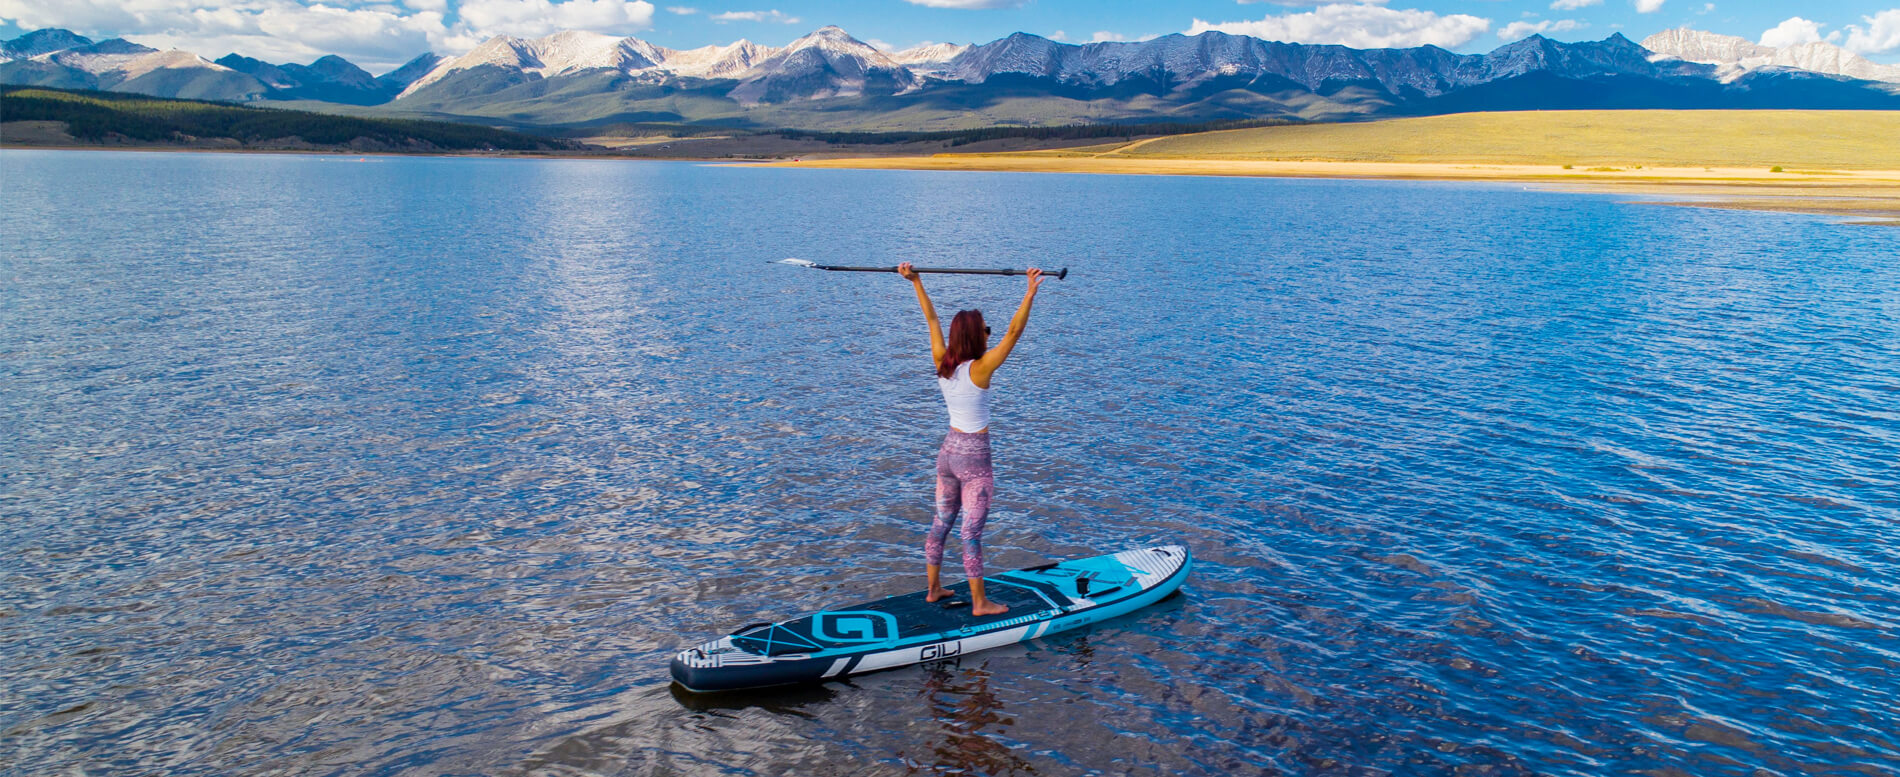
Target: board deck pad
(903, 630)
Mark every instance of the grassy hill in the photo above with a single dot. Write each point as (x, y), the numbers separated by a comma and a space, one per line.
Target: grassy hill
(44, 116)
(1834, 140)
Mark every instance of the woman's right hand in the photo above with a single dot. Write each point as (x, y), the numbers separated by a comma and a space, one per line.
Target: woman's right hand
(905, 270)
(1035, 279)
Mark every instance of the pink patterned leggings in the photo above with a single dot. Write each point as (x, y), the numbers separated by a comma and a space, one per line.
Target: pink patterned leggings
(964, 484)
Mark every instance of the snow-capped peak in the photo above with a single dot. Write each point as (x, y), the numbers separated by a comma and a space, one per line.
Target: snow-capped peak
(110, 56)
(40, 42)
(572, 50)
(1705, 47)
(928, 53)
(826, 63)
(499, 51)
(1735, 57)
(833, 40)
(166, 60)
(564, 52)
(728, 61)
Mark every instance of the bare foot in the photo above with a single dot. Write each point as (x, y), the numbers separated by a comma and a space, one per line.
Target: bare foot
(936, 593)
(987, 608)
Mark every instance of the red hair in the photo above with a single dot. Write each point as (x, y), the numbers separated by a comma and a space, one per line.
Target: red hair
(967, 342)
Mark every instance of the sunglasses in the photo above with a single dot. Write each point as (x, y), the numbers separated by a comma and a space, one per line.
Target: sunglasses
(986, 331)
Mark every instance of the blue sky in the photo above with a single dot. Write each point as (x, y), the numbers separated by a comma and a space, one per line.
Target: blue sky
(380, 34)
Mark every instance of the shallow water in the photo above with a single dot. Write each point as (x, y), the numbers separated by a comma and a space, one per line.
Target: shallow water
(312, 465)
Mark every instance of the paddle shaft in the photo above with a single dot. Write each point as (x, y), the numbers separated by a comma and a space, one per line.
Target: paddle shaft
(1056, 274)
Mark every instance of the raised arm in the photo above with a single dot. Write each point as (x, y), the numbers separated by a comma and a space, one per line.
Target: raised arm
(985, 367)
(930, 312)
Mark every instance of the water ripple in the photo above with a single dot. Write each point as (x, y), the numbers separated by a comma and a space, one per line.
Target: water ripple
(426, 466)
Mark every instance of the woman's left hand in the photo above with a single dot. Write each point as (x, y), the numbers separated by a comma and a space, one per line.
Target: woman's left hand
(1035, 279)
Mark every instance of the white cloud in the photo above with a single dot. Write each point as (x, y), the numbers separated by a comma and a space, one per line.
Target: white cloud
(1520, 30)
(1359, 26)
(754, 16)
(1795, 32)
(967, 4)
(487, 18)
(681, 10)
(1880, 36)
(1648, 6)
(1059, 36)
(378, 37)
(1572, 5)
(1104, 36)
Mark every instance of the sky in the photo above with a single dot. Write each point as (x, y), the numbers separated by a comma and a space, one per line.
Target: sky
(381, 34)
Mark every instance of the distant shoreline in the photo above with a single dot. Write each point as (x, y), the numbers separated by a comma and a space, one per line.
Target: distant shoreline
(6, 146)
(1826, 162)
(604, 156)
(1872, 195)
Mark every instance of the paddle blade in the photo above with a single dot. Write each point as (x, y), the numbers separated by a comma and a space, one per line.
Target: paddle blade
(797, 262)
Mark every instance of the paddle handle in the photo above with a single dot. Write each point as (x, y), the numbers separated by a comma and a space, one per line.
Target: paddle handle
(1056, 274)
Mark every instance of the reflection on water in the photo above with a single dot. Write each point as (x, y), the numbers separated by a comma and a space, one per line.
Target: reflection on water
(785, 700)
(427, 466)
(971, 720)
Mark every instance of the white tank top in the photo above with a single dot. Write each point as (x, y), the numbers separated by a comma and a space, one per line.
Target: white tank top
(969, 405)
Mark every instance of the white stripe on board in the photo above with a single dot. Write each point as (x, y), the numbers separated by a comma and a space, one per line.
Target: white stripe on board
(945, 649)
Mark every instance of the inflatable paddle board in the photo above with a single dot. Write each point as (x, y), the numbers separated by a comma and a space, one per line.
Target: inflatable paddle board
(903, 630)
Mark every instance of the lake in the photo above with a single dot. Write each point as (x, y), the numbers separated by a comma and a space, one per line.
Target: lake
(338, 465)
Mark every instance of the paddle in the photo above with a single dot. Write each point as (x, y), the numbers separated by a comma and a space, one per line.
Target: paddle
(1056, 274)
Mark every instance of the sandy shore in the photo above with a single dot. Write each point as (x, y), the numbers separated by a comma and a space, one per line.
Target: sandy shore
(1872, 196)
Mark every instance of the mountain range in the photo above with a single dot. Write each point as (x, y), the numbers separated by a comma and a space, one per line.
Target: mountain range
(831, 80)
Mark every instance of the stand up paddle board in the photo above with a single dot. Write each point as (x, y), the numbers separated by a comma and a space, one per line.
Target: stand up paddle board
(904, 630)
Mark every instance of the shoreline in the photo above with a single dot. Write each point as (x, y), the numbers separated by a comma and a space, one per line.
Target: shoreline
(350, 152)
(1856, 197)
(1870, 195)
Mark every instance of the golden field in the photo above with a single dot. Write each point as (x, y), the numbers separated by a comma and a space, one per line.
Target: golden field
(1837, 162)
(1834, 140)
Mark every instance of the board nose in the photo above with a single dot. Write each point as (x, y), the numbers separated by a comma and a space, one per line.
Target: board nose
(1176, 555)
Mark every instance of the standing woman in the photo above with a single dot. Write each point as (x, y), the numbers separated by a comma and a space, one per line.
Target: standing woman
(965, 364)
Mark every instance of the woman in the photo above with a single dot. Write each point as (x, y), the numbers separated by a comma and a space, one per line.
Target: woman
(965, 364)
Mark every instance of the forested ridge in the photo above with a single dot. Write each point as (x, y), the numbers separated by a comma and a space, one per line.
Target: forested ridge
(101, 117)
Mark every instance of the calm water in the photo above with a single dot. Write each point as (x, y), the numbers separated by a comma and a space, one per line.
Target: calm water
(425, 466)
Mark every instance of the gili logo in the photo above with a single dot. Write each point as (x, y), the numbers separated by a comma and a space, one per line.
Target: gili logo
(944, 650)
